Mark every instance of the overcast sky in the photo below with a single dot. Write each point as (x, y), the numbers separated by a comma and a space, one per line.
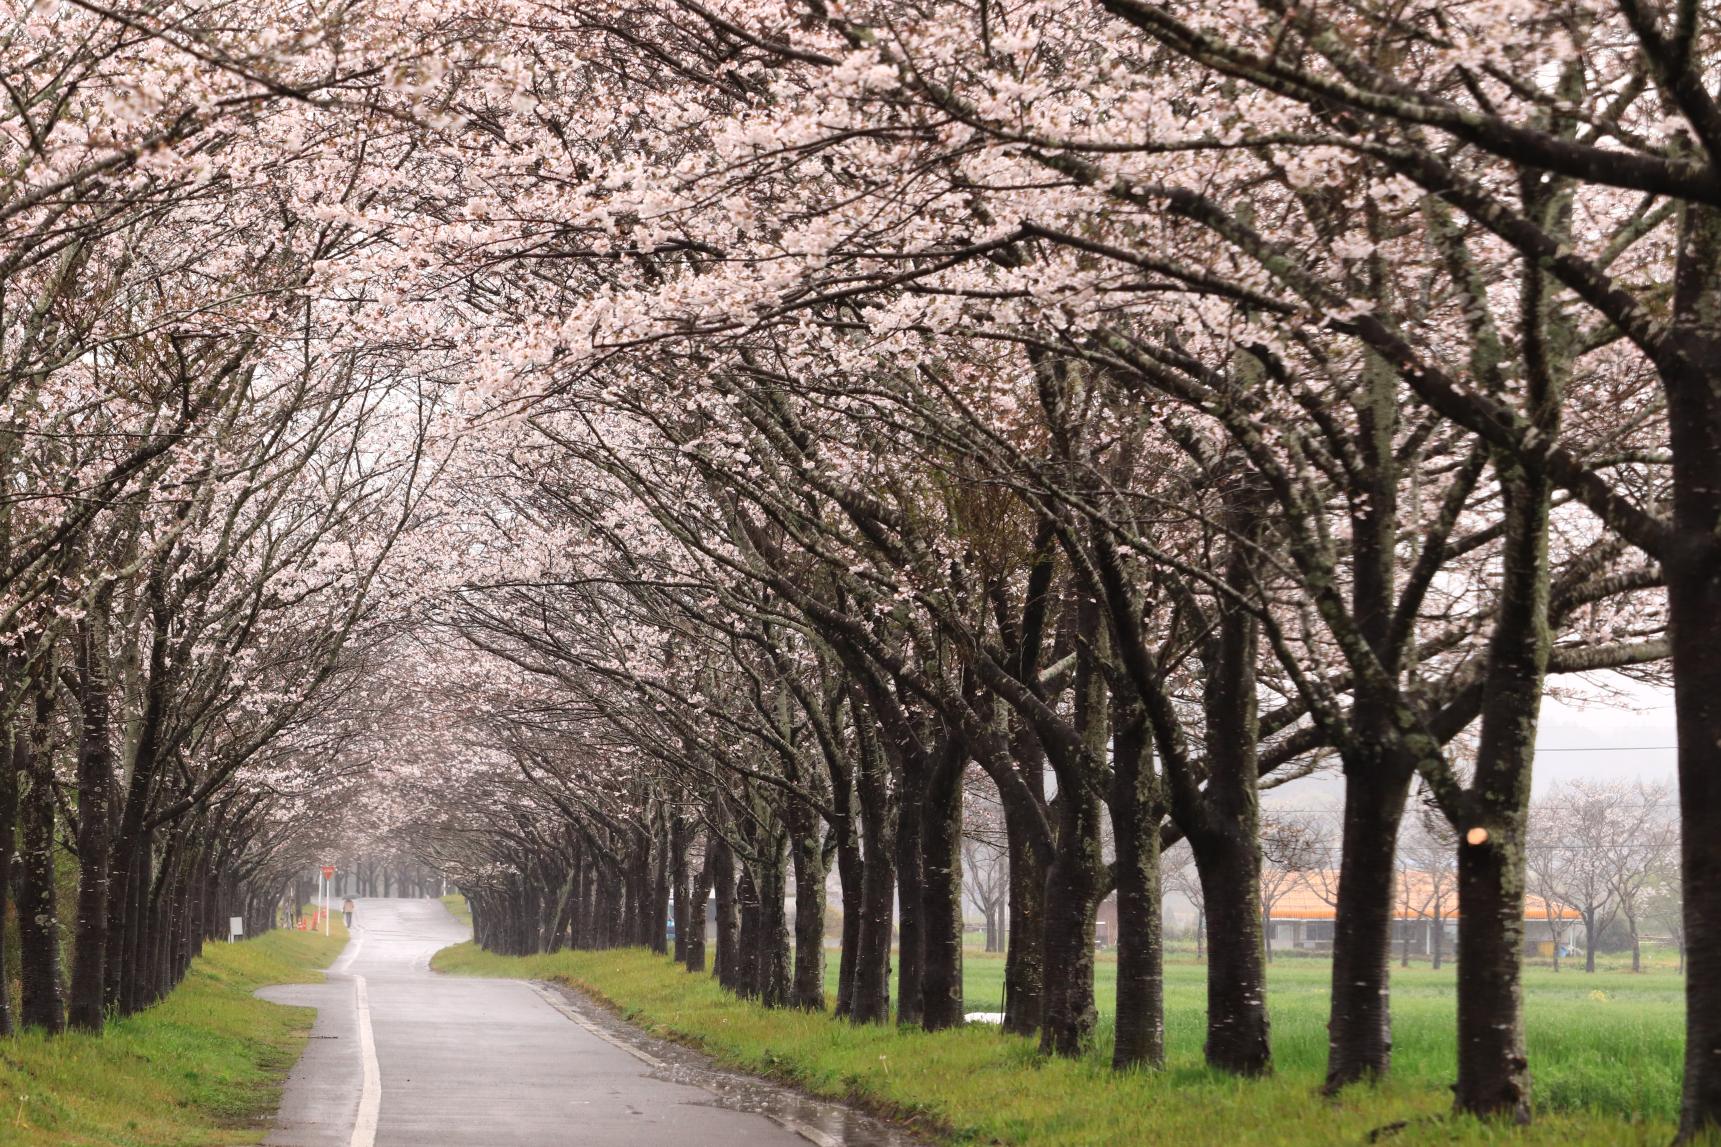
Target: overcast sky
(1605, 727)
(1622, 737)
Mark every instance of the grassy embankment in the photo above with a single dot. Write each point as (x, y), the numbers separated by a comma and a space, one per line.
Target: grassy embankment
(1605, 1051)
(204, 1066)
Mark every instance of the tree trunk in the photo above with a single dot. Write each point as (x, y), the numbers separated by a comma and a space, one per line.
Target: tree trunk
(910, 892)
(658, 930)
(1224, 833)
(1228, 867)
(95, 851)
(1359, 1032)
(871, 1003)
(728, 920)
(1024, 930)
(567, 904)
(580, 925)
(1691, 563)
(696, 914)
(1493, 1074)
(941, 890)
(1437, 938)
(1695, 602)
(1072, 893)
(9, 779)
(157, 939)
(678, 882)
(771, 970)
(808, 992)
(748, 977)
(1073, 882)
(1377, 769)
(1135, 817)
(134, 845)
(42, 1000)
(642, 897)
(849, 877)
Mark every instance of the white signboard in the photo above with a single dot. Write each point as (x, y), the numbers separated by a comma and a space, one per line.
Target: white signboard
(235, 927)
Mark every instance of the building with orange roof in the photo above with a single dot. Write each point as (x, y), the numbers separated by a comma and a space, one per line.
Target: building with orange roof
(1300, 911)
(1300, 907)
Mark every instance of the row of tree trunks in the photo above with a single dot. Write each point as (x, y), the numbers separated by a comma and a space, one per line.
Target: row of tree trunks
(372, 876)
(892, 825)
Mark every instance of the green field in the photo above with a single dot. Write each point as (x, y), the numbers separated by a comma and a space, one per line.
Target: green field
(1609, 1042)
(1605, 1054)
(204, 1066)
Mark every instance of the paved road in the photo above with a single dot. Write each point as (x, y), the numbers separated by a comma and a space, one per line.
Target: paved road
(486, 1063)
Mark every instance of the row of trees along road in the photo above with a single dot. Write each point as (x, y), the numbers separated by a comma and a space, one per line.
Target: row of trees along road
(1136, 405)
(202, 483)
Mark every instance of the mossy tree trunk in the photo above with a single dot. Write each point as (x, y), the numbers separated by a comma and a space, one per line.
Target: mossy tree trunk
(941, 889)
(871, 999)
(1137, 809)
(42, 1001)
(88, 1004)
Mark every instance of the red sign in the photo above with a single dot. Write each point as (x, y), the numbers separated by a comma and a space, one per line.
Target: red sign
(328, 872)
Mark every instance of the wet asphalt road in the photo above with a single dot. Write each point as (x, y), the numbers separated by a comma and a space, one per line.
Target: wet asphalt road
(486, 1063)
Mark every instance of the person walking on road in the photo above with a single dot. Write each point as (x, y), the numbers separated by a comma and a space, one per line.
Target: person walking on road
(347, 910)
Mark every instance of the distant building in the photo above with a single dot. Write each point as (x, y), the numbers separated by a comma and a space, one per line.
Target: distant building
(1301, 913)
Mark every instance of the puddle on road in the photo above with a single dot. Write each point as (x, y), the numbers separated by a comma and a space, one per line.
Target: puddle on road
(831, 1124)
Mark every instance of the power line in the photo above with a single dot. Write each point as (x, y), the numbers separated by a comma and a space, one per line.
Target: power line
(1609, 749)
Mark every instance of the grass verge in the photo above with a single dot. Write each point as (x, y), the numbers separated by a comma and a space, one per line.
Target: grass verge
(975, 1085)
(457, 907)
(203, 1067)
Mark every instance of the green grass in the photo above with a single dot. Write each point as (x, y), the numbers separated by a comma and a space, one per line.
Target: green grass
(456, 905)
(1606, 1068)
(1610, 1043)
(204, 1066)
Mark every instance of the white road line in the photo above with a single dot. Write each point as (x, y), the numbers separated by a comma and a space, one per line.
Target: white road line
(350, 954)
(811, 1134)
(550, 996)
(370, 1101)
